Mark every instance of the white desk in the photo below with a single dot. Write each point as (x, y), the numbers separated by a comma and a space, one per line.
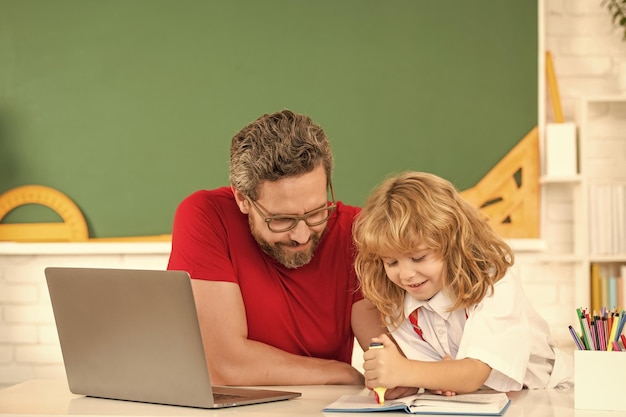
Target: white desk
(45, 397)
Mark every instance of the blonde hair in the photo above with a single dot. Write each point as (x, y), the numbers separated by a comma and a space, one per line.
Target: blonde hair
(416, 208)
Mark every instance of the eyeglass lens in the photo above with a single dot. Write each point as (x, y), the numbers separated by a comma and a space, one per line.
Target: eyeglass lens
(315, 218)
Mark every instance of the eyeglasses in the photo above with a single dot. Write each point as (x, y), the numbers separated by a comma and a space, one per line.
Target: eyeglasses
(283, 223)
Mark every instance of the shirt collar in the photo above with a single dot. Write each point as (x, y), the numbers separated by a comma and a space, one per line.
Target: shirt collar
(440, 303)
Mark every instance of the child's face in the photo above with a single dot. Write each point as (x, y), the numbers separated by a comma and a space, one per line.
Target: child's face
(419, 273)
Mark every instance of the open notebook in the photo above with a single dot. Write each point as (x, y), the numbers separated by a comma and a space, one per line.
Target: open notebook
(134, 335)
(480, 403)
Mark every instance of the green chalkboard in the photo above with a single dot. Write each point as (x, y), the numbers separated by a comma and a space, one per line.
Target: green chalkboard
(127, 106)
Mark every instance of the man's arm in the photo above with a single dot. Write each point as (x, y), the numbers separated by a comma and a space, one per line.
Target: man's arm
(233, 359)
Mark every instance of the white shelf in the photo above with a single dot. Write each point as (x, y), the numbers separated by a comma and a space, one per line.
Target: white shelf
(562, 259)
(614, 258)
(592, 112)
(576, 179)
(605, 99)
(527, 245)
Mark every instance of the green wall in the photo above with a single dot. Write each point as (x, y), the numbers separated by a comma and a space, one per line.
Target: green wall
(127, 106)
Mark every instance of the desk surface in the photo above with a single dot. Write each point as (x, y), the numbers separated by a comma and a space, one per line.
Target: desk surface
(47, 397)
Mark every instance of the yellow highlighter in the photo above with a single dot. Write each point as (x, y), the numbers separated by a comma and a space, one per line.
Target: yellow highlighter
(609, 344)
(379, 391)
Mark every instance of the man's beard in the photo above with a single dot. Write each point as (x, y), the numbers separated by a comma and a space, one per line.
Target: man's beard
(289, 260)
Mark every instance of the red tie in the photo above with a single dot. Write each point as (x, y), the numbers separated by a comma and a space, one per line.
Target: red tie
(413, 318)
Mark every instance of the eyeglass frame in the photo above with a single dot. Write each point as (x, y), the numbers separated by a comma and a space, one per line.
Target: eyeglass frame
(268, 219)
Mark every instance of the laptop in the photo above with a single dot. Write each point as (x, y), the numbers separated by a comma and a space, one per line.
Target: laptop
(130, 334)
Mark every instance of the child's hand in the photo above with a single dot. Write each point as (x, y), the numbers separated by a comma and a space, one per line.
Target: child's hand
(440, 392)
(399, 392)
(382, 366)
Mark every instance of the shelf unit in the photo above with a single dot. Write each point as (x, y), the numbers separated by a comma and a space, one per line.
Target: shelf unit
(601, 124)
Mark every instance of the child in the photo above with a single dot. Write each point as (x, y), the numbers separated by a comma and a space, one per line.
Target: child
(442, 280)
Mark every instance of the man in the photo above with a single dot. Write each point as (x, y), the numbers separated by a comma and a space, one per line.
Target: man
(271, 259)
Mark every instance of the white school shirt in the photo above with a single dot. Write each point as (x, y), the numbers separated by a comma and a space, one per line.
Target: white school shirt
(503, 331)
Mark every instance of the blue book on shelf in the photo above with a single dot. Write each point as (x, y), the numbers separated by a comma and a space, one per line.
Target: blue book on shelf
(612, 292)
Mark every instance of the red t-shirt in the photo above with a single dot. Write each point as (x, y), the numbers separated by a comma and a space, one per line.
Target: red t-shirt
(306, 310)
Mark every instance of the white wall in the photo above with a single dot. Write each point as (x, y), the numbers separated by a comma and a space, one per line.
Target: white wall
(585, 51)
(29, 345)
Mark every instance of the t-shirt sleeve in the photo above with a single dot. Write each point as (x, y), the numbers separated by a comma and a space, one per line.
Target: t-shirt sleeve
(199, 240)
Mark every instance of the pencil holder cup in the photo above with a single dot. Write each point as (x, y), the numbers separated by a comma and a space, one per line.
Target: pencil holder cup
(598, 380)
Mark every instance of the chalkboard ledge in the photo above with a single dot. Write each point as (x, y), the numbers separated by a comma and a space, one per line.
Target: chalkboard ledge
(158, 248)
(527, 245)
(84, 248)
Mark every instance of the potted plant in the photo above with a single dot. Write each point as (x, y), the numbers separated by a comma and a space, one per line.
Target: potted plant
(617, 8)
